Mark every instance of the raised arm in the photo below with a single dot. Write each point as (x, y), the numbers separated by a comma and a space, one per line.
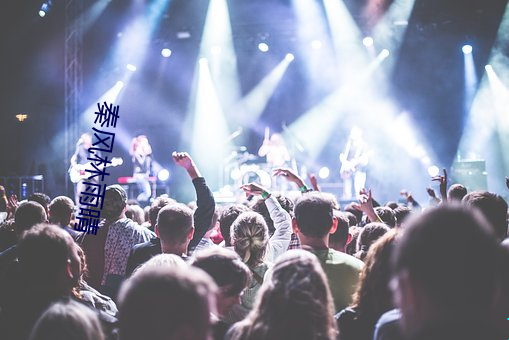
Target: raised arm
(366, 206)
(280, 240)
(204, 198)
(291, 176)
(443, 185)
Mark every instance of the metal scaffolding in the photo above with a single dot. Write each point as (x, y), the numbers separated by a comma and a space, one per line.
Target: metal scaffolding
(73, 76)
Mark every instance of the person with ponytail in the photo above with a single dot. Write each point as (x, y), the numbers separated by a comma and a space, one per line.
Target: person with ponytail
(250, 239)
(294, 302)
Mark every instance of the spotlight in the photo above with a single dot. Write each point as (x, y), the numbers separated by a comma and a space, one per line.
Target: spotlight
(385, 53)
(236, 174)
(203, 61)
(368, 41)
(166, 52)
(263, 47)
(44, 9)
(467, 49)
(21, 117)
(120, 84)
(163, 175)
(215, 50)
(433, 171)
(131, 67)
(289, 57)
(488, 68)
(324, 172)
(316, 44)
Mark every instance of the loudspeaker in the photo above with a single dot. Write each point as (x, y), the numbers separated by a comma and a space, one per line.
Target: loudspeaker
(22, 186)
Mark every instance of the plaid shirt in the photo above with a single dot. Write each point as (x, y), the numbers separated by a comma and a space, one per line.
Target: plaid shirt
(294, 242)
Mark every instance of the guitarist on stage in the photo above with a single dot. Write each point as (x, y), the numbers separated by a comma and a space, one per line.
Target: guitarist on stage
(79, 160)
(353, 163)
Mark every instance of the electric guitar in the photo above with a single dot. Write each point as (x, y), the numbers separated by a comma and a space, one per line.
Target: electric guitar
(78, 172)
(349, 167)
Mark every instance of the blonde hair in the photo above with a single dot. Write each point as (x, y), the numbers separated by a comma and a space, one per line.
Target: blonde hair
(250, 237)
(294, 302)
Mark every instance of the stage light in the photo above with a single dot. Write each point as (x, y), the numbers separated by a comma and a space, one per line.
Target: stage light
(120, 84)
(163, 175)
(488, 68)
(44, 9)
(367, 41)
(254, 103)
(131, 67)
(183, 35)
(316, 44)
(467, 49)
(324, 173)
(385, 53)
(166, 52)
(289, 57)
(203, 61)
(216, 50)
(21, 117)
(236, 174)
(263, 47)
(433, 171)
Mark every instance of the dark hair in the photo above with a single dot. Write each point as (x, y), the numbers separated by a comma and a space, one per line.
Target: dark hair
(60, 210)
(40, 198)
(453, 255)
(352, 220)
(493, 207)
(225, 267)
(174, 222)
(386, 214)
(261, 208)
(401, 213)
(313, 213)
(43, 254)
(350, 207)
(27, 215)
(368, 235)
(135, 213)
(456, 192)
(340, 236)
(159, 203)
(373, 296)
(391, 204)
(227, 216)
(165, 302)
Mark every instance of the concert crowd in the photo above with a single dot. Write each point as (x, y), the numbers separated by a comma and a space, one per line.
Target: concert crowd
(271, 267)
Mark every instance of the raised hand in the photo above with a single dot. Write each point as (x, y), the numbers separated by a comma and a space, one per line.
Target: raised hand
(289, 174)
(314, 182)
(431, 192)
(443, 184)
(184, 160)
(365, 204)
(12, 205)
(253, 189)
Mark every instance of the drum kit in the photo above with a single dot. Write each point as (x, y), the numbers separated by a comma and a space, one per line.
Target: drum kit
(242, 167)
